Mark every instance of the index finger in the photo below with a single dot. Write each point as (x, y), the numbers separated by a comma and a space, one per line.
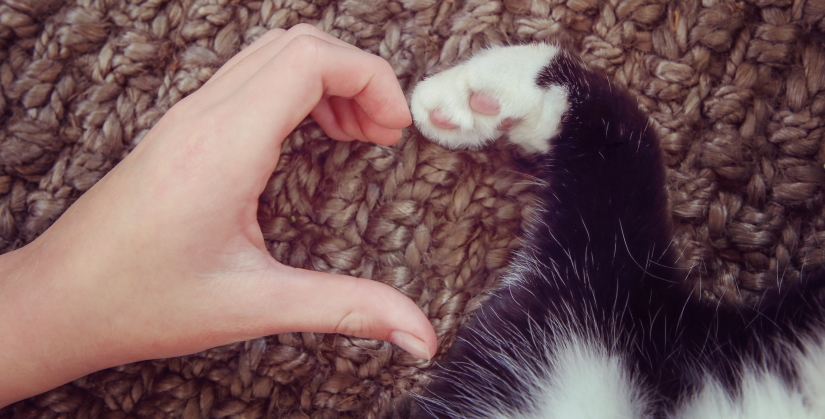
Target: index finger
(289, 86)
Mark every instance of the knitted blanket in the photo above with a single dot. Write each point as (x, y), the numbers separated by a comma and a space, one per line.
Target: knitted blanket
(736, 90)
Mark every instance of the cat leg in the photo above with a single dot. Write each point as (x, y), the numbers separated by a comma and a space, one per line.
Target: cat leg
(577, 293)
(493, 93)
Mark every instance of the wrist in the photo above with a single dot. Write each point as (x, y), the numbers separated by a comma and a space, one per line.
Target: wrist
(43, 344)
(20, 359)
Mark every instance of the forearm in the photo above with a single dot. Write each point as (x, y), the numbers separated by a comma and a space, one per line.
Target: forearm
(41, 344)
(19, 357)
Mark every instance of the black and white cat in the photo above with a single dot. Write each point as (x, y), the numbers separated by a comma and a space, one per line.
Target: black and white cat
(593, 319)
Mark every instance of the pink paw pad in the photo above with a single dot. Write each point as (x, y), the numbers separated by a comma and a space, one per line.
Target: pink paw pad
(440, 120)
(479, 102)
(484, 104)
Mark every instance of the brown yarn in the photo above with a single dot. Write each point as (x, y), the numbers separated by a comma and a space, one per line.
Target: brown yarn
(735, 88)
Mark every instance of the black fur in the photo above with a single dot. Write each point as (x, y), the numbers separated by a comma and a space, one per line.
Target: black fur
(598, 260)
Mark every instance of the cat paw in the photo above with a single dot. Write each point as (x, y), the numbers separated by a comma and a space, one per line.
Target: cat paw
(492, 94)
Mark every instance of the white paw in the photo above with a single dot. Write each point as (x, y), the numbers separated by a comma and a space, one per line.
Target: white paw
(493, 93)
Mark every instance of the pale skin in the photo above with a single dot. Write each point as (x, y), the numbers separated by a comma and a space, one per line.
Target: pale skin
(164, 256)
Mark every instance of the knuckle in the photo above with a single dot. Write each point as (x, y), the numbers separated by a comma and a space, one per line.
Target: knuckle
(274, 33)
(304, 29)
(352, 324)
(306, 44)
(182, 110)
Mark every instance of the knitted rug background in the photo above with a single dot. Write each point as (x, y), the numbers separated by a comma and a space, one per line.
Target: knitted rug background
(736, 89)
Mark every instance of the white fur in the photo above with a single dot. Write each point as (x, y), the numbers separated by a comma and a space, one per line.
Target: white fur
(588, 382)
(764, 394)
(507, 74)
(585, 380)
(582, 380)
(811, 365)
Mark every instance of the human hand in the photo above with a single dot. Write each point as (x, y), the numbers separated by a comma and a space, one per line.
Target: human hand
(164, 255)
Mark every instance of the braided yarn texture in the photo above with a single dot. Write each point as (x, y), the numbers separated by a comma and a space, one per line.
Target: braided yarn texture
(736, 90)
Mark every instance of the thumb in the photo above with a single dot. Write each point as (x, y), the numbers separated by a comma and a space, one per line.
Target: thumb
(293, 300)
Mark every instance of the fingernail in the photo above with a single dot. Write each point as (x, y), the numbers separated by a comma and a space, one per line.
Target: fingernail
(411, 344)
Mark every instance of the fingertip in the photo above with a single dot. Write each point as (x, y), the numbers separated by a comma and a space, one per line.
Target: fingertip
(415, 346)
(410, 329)
(404, 117)
(392, 113)
(373, 132)
(372, 83)
(382, 136)
(407, 118)
(392, 317)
